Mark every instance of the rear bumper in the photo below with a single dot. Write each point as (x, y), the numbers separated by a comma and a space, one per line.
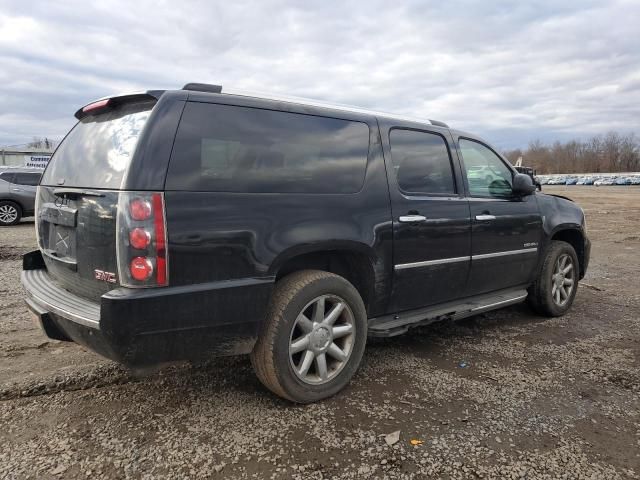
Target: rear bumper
(50, 298)
(148, 326)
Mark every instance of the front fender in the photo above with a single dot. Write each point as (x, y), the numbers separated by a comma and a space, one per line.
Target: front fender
(559, 213)
(562, 219)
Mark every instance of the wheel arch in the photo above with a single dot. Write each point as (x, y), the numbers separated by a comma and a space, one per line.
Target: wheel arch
(351, 260)
(14, 201)
(574, 237)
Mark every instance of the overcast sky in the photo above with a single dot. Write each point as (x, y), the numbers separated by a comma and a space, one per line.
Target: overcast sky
(510, 71)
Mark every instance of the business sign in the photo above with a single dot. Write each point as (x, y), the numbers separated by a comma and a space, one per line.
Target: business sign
(37, 161)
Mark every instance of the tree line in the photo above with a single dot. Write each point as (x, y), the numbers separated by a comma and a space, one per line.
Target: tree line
(43, 143)
(612, 152)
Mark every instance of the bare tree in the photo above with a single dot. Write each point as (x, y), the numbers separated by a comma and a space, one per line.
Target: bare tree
(42, 143)
(612, 152)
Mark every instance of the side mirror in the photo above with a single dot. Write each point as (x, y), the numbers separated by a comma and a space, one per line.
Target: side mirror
(523, 185)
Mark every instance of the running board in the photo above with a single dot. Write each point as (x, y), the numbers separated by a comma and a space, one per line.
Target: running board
(398, 323)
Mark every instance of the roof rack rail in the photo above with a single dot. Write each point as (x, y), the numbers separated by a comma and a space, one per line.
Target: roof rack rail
(203, 87)
(210, 88)
(438, 123)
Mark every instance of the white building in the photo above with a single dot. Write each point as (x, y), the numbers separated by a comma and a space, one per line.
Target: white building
(25, 157)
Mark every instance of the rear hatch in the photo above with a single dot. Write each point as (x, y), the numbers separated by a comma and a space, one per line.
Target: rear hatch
(77, 201)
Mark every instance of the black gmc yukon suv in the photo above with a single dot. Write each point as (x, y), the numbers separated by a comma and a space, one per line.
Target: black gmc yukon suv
(184, 224)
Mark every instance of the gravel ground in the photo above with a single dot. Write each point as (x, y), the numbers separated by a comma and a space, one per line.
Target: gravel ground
(502, 395)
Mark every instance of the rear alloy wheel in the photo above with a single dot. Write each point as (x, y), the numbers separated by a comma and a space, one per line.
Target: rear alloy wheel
(10, 213)
(313, 338)
(554, 290)
(322, 339)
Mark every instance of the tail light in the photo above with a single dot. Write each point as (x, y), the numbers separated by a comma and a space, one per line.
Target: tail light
(100, 104)
(141, 269)
(139, 238)
(139, 209)
(142, 240)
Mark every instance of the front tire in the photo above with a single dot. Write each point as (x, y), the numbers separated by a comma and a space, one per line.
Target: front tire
(313, 338)
(10, 213)
(554, 290)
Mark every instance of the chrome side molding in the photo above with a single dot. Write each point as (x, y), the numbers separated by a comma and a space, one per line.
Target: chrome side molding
(441, 261)
(504, 254)
(427, 263)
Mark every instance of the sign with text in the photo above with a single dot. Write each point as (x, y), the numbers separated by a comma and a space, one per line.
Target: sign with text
(37, 161)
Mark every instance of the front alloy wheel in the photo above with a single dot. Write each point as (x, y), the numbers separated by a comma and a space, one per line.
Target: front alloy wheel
(554, 290)
(563, 280)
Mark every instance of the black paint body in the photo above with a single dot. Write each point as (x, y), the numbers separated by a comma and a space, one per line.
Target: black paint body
(226, 250)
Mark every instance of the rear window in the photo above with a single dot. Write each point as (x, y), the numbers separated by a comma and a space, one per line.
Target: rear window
(226, 148)
(97, 152)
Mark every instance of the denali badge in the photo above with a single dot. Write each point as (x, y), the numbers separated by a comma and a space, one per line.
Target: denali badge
(105, 276)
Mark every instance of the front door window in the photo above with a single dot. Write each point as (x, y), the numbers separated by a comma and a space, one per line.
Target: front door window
(487, 174)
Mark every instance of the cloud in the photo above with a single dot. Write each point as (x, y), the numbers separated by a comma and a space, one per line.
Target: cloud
(511, 71)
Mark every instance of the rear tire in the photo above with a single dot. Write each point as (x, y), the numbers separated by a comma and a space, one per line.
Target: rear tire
(554, 290)
(313, 338)
(10, 213)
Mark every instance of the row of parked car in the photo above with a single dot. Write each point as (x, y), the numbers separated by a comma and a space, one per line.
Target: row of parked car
(590, 180)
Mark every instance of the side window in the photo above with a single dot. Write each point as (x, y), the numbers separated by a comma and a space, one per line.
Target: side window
(422, 162)
(487, 174)
(27, 179)
(7, 176)
(224, 148)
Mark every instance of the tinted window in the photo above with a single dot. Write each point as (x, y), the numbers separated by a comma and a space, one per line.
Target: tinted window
(487, 174)
(7, 176)
(237, 149)
(98, 150)
(421, 161)
(27, 178)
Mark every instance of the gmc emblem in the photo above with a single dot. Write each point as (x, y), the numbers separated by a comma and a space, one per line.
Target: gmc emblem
(105, 276)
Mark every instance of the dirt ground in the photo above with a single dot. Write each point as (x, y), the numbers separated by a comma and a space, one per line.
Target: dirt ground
(502, 395)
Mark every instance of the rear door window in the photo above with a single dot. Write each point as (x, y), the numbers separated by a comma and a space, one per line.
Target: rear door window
(27, 179)
(238, 149)
(7, 176)
(422, 162)
(97, 152)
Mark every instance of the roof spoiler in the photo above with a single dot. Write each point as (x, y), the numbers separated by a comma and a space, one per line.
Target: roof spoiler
(106, 103)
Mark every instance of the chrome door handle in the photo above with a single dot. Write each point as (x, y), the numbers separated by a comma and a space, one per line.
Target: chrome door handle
(484, 218)
(412, 218)
(16, 189)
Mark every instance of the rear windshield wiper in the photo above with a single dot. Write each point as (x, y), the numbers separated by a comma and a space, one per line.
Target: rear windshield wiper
(74, 193)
